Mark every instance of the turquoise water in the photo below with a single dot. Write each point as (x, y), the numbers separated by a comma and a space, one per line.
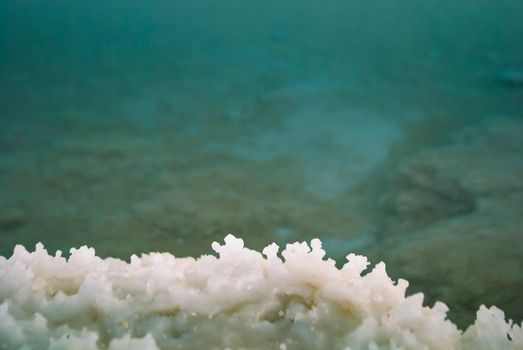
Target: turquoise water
(388, 128)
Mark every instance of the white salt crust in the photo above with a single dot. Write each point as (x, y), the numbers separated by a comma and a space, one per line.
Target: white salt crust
(241, 300)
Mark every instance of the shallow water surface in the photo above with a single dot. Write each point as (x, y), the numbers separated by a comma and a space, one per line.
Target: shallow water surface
(389, 128)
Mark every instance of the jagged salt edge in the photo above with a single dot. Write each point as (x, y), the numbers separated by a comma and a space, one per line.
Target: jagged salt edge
(197, 286)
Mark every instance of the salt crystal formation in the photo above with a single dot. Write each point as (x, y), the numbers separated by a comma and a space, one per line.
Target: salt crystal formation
(241, 300)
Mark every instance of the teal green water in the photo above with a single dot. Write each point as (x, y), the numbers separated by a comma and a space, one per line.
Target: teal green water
(389, 128)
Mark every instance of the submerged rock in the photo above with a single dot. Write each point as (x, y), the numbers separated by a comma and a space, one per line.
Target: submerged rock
(455, 213)
(11, 220)
(483, 163)
(512, 78)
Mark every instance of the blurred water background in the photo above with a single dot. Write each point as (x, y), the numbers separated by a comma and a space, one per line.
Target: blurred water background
(389, 128)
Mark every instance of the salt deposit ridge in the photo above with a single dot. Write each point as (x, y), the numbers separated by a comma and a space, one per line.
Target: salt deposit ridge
(241, 300)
